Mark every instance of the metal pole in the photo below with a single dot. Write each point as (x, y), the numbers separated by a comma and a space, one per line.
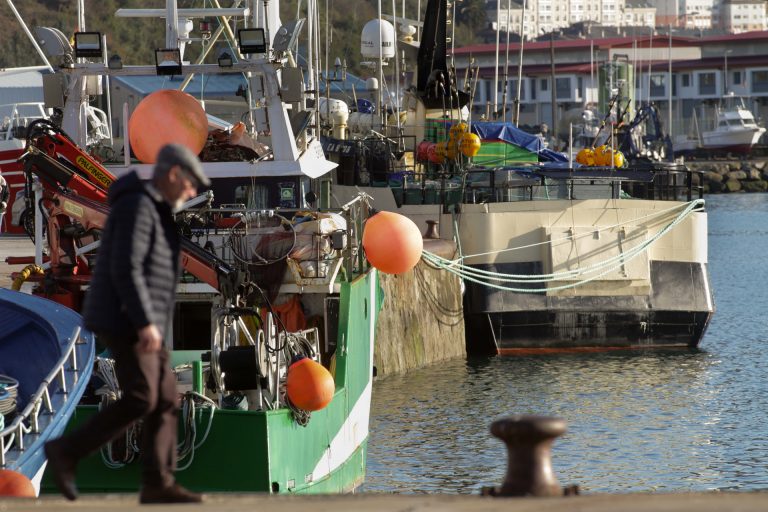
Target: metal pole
(29, 35)
(379, 105)
(669, 95)
(554, 92)
(506, 70)
(520, 67)
(496, 67)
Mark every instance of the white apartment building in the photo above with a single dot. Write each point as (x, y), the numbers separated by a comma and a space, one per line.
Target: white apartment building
(737, 16)
(544, 16)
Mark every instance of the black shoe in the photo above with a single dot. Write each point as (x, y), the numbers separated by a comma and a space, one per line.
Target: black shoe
(171, 494)
(62, 469)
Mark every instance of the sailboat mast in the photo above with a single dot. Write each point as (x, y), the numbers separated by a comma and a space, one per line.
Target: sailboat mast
(520, 67)
(506, 69)
(496, 67)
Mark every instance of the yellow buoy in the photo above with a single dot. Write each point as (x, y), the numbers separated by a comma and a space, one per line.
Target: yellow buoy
(469, 144)
(586, 157)
(457, 130)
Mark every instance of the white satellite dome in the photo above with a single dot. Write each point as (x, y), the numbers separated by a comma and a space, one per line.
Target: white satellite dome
(337, 109)
(378, 33)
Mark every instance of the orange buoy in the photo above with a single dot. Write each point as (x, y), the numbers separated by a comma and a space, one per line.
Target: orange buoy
(14, 484)
(392, 242)
(309, 385)
(167, 116)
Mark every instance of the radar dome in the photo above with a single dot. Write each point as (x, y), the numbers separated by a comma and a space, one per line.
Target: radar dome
(378, 34)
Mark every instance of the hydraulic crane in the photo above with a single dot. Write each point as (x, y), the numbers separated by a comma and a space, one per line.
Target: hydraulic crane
(74, 203)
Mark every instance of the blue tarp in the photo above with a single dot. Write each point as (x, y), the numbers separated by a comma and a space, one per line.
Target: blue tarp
(507, 132)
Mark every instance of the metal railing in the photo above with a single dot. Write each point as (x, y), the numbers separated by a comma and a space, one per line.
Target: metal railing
(28, 421)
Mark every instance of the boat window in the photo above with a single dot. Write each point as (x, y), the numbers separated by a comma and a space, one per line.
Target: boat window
(735, 122)
(254, 196)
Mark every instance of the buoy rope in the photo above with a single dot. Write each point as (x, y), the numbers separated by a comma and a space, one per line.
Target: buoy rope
(482, 277)
(697, 204)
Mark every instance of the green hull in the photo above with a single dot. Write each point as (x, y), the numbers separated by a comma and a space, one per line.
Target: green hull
(267, 451)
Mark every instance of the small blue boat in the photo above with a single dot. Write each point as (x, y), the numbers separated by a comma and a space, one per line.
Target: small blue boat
(45, 365)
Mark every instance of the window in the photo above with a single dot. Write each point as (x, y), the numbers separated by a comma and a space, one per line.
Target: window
(533, 88)
(760, 81)
(657, 85)
(737, 78)
(707, 82)
(544, 84)
(686, 80)
(563, 88)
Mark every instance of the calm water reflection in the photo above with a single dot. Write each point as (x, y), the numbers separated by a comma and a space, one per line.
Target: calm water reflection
(666, 421)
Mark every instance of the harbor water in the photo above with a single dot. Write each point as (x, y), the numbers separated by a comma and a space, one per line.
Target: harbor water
(641, 421)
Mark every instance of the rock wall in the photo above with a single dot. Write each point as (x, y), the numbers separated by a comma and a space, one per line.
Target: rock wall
(421, 321)
(722, 177)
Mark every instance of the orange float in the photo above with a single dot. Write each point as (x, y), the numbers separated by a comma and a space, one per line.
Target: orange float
(14, 484)
(167, 116)
(392, 242)
(309, 385)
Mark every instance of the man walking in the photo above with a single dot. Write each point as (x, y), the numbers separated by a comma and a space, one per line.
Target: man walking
(130, 306)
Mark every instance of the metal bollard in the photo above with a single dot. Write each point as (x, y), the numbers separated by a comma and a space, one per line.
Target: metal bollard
(529, 449)
(433, 231)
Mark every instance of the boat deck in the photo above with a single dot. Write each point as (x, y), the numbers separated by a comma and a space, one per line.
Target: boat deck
(13, 245)
(376, 502)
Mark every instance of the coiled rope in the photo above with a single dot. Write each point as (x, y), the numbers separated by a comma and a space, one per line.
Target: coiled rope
(105, 369)
(588, 273)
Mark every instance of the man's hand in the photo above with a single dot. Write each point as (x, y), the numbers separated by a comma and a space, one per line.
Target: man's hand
(149, 339)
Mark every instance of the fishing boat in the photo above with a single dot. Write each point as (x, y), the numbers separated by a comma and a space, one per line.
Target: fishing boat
(45, 366)
(554, 256)
(733, 129)
(274, 277)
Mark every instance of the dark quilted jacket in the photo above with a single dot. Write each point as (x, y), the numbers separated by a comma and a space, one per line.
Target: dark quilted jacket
(137, 265)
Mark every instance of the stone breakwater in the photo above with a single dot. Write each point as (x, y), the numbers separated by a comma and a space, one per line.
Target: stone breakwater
(728, 177)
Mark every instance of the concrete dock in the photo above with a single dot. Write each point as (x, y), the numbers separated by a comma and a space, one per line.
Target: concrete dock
(684, 502)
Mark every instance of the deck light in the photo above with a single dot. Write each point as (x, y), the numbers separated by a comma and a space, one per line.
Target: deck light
(225, 60)
(115, 62)
(252, 40)
(168, 61)
(87, 44)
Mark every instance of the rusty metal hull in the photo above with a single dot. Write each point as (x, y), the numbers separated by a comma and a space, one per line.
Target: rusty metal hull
(674, 313)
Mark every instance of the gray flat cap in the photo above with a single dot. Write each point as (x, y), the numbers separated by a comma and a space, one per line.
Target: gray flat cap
(177, 154)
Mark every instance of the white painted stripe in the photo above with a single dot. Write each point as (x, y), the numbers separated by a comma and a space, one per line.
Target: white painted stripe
(354, 430)
(12, 173)
(349, 437)
(38, 478)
